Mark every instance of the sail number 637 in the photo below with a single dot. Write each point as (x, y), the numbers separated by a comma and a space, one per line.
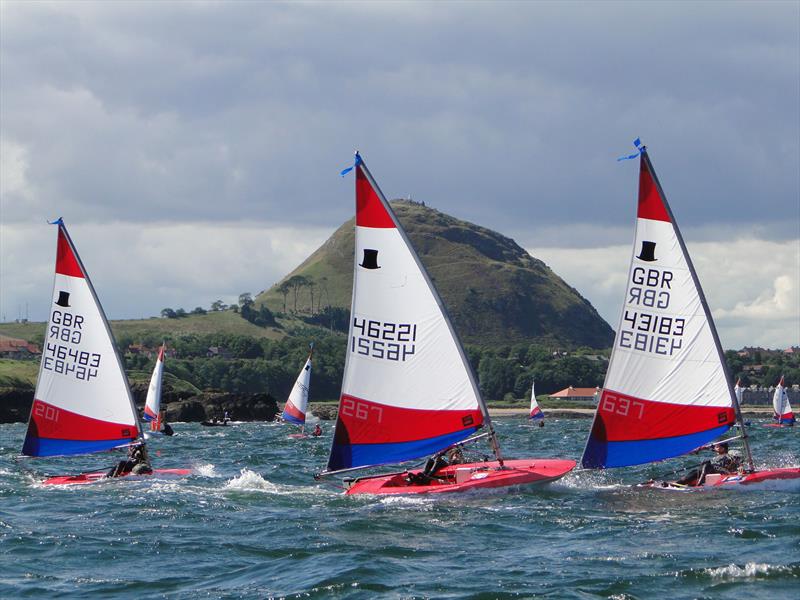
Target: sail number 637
(619, 405)
(361, 410)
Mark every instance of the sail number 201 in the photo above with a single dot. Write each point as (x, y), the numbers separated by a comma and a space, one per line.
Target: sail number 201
(357, 409)
(622, 406)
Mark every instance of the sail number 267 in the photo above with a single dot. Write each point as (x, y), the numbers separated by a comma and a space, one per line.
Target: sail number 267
(361, 410)
(622, 406)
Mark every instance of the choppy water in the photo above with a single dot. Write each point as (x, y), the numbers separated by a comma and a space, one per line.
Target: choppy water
(252, 523)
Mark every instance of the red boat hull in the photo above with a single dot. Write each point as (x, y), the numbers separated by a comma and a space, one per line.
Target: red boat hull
(466, 477)
(85, 478)
(786, 479)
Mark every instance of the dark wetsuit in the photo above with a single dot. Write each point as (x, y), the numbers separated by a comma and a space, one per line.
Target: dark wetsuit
(724, 464)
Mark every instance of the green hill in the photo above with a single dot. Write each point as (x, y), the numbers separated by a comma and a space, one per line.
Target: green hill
(138, 330)
(495, 291)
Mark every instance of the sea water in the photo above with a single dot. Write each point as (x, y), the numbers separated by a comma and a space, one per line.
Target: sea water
(251, 522)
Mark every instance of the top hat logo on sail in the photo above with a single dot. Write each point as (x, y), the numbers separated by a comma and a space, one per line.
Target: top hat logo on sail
(63, 299)
(648, 253)
(370, 260)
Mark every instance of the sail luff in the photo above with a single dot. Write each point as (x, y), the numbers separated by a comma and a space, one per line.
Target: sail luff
(706, 309)
(666, 390)
(66, 419)
(467, 367)
(114, 345)
(394, 408)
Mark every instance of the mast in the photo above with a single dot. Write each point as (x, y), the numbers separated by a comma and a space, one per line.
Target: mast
(704, 303)
(481, 402)
(104, 319)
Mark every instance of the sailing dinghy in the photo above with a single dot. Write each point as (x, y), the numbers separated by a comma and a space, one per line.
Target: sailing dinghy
(536, 412)
(294, 411)
(152, 405)
(667, 391)
(783, 414)
(408, 391)
(82, 403)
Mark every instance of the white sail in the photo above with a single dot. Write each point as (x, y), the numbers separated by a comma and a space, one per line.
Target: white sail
(407, 389)
(82, 401)
(152, 405)
(536, 412)
(666, 390)
(294, 411)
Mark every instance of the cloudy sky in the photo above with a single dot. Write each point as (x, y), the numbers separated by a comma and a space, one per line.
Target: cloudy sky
(193, 148)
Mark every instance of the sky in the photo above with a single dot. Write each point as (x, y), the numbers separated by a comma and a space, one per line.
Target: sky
(194, 148)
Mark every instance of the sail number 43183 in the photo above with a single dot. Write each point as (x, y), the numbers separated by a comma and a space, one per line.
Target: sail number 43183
(622, 406)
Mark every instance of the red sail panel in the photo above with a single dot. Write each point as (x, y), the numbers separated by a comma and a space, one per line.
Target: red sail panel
(651, 205)
(66, 263)
(58, 423)
(373, 423)
(623, 418)
(369, 209)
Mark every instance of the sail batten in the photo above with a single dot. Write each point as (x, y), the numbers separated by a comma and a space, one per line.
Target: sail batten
(407, 390)
(667, 389)
(82, 401)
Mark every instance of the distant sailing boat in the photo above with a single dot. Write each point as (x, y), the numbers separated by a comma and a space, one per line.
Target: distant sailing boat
(667, 390)
(783, 415)
(408, 391)
(82, 403)
(152, 406)
(294, 411)
(536, 412)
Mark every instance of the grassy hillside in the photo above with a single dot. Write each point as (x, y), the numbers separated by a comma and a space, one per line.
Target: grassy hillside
(18, 373)
(495, 291)
(139, 329)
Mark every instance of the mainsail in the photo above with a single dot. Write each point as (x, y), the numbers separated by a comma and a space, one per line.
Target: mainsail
(82, 401)
(536, 412)
(780, 404)
(666, 390)
(152, 405)
(294, 411)
(407, 390)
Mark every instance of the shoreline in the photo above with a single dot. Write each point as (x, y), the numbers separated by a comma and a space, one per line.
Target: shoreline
(578, 413)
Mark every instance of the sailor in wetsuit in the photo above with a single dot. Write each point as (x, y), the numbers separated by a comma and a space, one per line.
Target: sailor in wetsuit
(436, 463)
(138, 463)
(724, 462)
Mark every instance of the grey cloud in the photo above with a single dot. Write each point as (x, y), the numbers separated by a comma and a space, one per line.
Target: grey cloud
(496, 112)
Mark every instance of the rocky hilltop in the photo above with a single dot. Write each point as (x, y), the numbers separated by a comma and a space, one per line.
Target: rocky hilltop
(495, 291)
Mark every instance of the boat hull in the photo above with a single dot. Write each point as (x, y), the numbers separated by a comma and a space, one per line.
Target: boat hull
(466, 477)
(769, 479)
(94, 477)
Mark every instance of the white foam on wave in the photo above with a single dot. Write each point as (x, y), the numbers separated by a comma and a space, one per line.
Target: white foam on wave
(584, 479)
(748, 571)
(250, 481)
(206, 470)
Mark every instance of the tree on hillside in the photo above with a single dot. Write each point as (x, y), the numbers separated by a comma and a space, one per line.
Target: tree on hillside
(168, 313)
(284, 290)
(180, 313)
(218, 305)
(199, 310)
(296, 283)
(310, 286)
(245, 299)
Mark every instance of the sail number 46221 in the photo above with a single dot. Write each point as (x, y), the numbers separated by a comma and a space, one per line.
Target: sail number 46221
(361, 410)
(622, 406)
